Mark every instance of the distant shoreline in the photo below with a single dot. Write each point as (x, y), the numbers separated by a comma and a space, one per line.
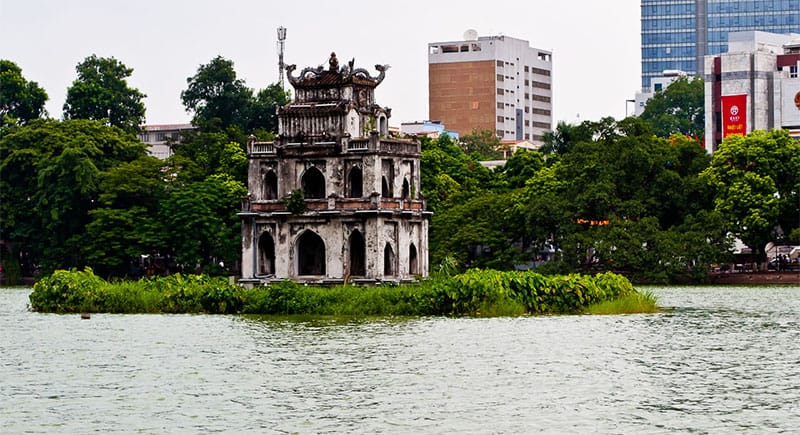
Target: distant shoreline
(759, 278)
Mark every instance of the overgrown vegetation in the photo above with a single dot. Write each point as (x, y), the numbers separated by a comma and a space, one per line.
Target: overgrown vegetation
(474, 293)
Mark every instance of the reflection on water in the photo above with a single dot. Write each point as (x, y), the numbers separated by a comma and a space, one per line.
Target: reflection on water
(721, 360)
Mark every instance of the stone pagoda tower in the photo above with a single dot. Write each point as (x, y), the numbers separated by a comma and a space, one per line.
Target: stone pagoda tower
(360, 217)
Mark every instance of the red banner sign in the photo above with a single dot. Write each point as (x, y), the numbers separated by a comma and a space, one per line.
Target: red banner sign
(734, 115)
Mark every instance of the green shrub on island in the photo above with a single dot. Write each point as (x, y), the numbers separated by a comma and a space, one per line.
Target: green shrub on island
(473, 293)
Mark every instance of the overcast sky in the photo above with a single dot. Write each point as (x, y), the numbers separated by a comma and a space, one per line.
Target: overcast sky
(595, 44)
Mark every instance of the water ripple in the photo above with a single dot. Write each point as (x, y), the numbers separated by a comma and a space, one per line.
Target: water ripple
(721, 360)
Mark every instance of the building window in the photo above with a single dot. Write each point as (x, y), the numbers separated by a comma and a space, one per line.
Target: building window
(266, 255)
(500, 91)
(541, 125)
(544, 112)
(527, 123)
(475, 105)
(793, 71)
(527, 109)
(540, 71)
(527, 96)
(310, 254)
(270, 186)
(526, 68)
(500, 105)
(388, 260)
(500, 78)
(356, 183)
(413, 267)
(541, 98)
(358, 254)
(499, 133)
(313, 183)
(500, 63)
(541, 85)
(500, 119)
(527, 136)
(386, 191)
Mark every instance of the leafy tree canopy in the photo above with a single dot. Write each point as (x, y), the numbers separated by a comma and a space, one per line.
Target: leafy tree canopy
(679, 108)
(50, 175)
(101, 91)
(757, 180)
(216, 97)
(20, 100)
(483, 144)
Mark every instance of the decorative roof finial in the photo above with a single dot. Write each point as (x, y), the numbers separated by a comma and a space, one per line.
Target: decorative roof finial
(334, 63)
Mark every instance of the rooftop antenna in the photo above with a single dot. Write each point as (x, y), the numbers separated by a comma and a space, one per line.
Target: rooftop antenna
(281, 46)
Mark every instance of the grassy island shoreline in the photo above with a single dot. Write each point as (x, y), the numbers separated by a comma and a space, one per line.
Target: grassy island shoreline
(473, 293)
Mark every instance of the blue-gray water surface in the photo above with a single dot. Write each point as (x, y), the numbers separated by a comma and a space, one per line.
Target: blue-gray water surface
(721, 360)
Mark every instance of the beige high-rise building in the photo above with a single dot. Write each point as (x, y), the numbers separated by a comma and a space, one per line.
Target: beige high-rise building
(496, 83)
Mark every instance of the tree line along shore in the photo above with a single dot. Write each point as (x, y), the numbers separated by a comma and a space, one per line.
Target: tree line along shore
(639, 196)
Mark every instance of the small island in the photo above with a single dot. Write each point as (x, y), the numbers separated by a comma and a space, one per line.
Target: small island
(473, 293)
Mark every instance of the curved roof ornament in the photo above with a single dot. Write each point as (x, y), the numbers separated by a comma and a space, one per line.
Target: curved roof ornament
(346, 72)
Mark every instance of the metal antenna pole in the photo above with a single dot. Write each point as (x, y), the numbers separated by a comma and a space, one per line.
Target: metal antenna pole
(281, 46)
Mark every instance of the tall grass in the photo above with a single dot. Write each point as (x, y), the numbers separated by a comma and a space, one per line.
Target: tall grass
(474, 293)
(632, 303)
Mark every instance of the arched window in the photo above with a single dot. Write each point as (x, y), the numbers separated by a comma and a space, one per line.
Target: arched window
(355, 183)
(266, 255)
(413, 267)
(310, 254)
(313, 184)
(388, 260)
(386, 191)
(270, 185)
(358, 254)
(406, 189)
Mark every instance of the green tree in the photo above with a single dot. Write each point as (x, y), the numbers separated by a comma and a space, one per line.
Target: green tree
(757, 179)
(263, 110)
(521, 167)
(483, 144)
(565, 137)
(679, 108)
(101, 91)
(217, 98)
(477, 232)
(20, 100)
(50, 173)
(202, 154)
(203, 228)
(126, 222)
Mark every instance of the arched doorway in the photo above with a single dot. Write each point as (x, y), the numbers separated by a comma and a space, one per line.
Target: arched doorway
(310, 254)
(388, 260)
(358, 254)
(413, 267)
(406, 189)
(270, 185)
(313, 183)
(355, 183)
(266, 255)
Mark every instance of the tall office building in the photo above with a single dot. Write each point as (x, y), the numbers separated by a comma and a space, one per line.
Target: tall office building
(495, 83)
(678, 34)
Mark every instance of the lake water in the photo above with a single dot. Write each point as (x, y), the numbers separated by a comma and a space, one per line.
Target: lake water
(722, 360)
